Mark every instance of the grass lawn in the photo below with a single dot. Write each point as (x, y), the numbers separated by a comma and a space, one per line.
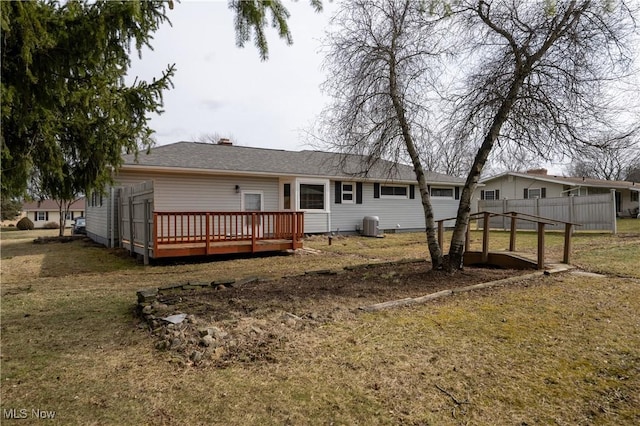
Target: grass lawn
(563, 349)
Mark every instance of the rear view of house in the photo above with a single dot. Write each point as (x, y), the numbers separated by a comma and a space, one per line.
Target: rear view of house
(242, 189)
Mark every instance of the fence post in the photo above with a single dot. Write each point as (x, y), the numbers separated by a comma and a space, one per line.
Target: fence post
(614, 225)
(568, 229)
(485, 238)
(145, 231)
(440, 233)
(540, 245)
(512, 233)
(504, 218)
(131, 224)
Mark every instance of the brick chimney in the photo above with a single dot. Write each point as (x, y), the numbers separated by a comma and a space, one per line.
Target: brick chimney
(542, 172)
(225, 141)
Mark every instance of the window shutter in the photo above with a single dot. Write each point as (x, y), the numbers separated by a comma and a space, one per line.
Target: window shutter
(457, 193)
(497, 194)
(46, 215)
(412, 192)
(526, 193)
(543, 192)
(35, 216)
(376, 190)
(358, 192)
(482, 194)
(338, 192)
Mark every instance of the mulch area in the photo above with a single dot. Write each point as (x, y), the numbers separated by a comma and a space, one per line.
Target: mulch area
(323, 292)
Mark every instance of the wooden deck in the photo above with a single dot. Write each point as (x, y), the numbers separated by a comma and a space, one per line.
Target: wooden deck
(179, 234)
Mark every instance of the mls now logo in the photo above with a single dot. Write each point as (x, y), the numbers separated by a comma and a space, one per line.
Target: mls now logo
(23, 413)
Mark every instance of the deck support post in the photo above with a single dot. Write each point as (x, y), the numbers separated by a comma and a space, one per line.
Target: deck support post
(155, 233)
(294, 231)
(512, 233)
(485, 237)
(253, 232)
(540, 245)
(207, 238)
(568, 230)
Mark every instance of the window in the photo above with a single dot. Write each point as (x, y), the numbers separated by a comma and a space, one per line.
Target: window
(531, 193)
(69, 216)
(534, 192)
(348, 191)
(96, 199)
(442, 192)
(491, 194)
(41, 215)
(251, 201)
(311, 197)
(394, 191)
(634, 195)
(286, 200)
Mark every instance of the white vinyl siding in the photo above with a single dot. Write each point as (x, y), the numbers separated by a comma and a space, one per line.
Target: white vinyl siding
(407, 213)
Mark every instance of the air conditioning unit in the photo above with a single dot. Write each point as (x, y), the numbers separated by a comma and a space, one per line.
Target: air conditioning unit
(370, 226)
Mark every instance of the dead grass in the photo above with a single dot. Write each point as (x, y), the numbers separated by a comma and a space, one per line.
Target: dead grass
(561, 349)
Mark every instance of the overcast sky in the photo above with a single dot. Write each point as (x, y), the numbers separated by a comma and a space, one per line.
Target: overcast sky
(220, 88)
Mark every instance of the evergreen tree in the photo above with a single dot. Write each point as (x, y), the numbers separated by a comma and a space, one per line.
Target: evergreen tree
(67, 113)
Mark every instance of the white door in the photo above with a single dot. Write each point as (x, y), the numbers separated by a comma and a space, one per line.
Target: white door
(252, 201)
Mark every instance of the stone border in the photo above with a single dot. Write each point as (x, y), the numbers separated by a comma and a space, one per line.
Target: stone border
(432, 296)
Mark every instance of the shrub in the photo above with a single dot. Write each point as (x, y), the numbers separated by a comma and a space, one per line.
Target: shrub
(25, 224)
(51, 225)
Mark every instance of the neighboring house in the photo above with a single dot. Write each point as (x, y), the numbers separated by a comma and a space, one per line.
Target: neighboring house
(538, 184)
(45, 211)
(327, 187)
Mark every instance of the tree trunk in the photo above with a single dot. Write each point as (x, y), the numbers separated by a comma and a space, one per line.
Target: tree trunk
(456, 250)
(432, 241)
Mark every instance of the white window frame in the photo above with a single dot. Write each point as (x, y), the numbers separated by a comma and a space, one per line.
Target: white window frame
(327, 201)
(44, 216)
(396, 197)
(453, 193)
(249, 192)
(493, 194)
(352, 192)
(530, 197)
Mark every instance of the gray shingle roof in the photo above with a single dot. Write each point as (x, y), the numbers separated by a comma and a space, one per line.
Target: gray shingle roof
(221, 158)
(568, 180)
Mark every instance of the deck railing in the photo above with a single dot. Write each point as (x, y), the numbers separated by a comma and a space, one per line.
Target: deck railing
(180, 228)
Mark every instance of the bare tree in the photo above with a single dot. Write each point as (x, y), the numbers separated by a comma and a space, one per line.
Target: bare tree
(541, 80)
(379, 58)
(532, 77)
(614, 160)
(215, 138)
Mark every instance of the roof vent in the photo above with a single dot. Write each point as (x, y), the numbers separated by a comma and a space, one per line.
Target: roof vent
(542, 172)
(225, 141)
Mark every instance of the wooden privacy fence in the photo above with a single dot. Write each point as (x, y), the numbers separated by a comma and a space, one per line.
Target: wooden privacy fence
(136, 205)
(591, 212)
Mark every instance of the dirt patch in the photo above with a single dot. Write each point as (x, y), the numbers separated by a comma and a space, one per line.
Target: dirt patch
(249, 320)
